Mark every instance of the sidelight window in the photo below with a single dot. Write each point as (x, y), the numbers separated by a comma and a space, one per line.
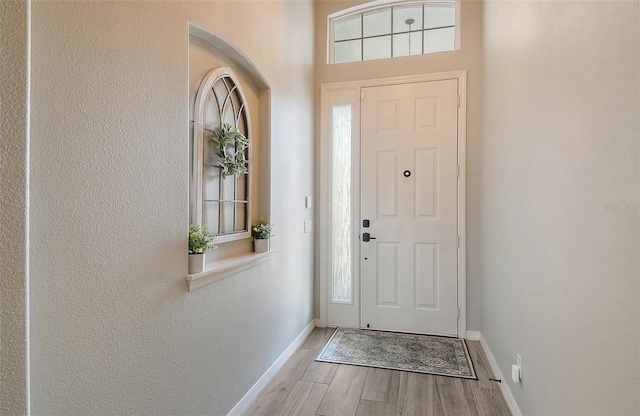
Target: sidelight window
(341, 246)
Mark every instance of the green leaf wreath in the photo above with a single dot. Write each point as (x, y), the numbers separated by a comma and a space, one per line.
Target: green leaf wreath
(230, 145)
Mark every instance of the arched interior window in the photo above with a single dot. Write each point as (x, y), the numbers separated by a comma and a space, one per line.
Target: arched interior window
(382, 30)
(221, 171)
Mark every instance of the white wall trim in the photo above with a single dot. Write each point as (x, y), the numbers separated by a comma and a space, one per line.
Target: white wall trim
(221, 269)
(323, 216)
(473, 335)
(404, 79)
(247, 400)
(461, 76)
(504, 385)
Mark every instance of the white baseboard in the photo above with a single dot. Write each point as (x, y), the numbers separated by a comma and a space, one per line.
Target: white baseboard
(243, 405)
(317, 322)
(473, 335)
(504, 386)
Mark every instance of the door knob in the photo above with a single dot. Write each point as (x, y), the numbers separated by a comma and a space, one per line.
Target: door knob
(366, 237)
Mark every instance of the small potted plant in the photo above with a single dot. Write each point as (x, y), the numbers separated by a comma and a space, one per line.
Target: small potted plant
(260, 234)
(199, 242)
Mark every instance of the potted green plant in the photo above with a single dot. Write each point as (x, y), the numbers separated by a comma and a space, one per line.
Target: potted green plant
(260, 234)
(199, 242)
(229, 145)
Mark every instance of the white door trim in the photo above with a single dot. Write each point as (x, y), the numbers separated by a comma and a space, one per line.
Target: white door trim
(325, 166)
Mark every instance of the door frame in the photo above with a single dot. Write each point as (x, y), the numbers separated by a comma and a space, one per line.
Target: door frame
(354, 87)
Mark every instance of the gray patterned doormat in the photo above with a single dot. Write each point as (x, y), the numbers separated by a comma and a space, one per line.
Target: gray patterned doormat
(405, 352)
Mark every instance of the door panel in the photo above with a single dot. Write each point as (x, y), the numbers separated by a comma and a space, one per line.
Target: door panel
(426, 275)
(426, 181)
(387, 184)
(409, 193)
(387, 282)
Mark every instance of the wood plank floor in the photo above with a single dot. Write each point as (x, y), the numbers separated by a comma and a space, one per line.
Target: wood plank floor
(305, 387)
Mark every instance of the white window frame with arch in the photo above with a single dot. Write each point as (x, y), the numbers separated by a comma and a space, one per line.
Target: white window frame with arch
(221, 202)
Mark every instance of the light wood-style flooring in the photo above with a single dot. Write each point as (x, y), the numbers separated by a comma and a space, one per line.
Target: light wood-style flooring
(306, 387)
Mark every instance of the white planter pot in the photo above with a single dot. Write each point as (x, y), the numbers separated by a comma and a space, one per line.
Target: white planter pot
(196, 263)
(261, 246)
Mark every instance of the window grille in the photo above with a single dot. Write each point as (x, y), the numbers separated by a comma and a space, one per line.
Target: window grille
(407, 28)
(221, 202)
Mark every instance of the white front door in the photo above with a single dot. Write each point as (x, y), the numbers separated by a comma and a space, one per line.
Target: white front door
(409, 188)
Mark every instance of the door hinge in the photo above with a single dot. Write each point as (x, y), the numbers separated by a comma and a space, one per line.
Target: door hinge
(362, 96)
(458, 101)
(458, 241)
(458, 171)
(458, 310)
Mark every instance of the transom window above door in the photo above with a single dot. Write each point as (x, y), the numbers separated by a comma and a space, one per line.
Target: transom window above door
(393, 30)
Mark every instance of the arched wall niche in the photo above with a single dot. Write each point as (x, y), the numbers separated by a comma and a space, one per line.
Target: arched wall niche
(231, 52)
(208, 50)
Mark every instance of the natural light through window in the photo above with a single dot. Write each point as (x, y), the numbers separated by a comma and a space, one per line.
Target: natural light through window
(221, 175)
(414, 28)
(341, 244)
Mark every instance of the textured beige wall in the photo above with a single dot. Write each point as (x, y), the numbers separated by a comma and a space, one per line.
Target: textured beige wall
(561, 197)
(469, 58)
(14, 145)
(114, 330)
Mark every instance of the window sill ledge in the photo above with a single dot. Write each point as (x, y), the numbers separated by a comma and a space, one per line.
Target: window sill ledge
(219, 270)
